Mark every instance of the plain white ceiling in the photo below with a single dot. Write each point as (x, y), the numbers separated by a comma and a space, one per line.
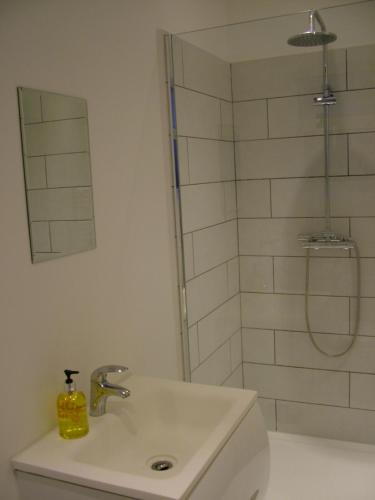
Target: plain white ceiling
(259, 39)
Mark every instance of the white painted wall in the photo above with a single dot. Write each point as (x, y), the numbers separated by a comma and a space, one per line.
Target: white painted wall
(118, 303)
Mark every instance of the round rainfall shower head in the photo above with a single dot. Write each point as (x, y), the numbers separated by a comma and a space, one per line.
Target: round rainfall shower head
(312, 39)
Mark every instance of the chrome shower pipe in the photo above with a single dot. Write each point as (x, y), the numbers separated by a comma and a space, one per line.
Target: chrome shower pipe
(326, 167)
(326, 100)
(314, 15)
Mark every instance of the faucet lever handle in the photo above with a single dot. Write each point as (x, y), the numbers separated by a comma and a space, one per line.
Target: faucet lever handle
(101, 372)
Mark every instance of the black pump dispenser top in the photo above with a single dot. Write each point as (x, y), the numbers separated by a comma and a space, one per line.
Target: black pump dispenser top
(69, 381)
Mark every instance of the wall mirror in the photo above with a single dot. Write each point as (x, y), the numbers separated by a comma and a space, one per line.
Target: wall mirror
(57, 169)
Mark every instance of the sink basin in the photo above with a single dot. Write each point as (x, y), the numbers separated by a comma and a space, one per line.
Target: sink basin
(179, 426)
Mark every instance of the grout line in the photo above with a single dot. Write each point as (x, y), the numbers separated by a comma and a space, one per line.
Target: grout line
(198, 345)
(318, 404)
(188, 159)
(274, 348)
(212, 353)
(210, 226)
(282, 331)
(56, 121)
(296, 217)
(41, 113)
(254, 179)
(343, 218)
(232, 372)
(210, 183)
(257, 139)
(301, 294)
(217, 307)
(348, 154)
(297, 96)
(276, 419)
(238, 231)
(346, 69)
(45, 172)
(290, 330)
(202, 138)
(50, 252)
(299, 367)
(300, 256)
(242, 349)
(268, 119)
(349, 389)
(193, 255)
(264, 139)
(221, 121)
(58, 154)
(302, 177)
(302, 136)
(49, 188)
(50, 236)
(270, 196)
(62, 220)
(226, 262)
(182, 63)
(200, 92)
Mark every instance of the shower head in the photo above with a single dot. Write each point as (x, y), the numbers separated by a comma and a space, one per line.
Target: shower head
(312, 37)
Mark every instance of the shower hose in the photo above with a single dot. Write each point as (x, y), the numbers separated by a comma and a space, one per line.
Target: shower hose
(357, 315)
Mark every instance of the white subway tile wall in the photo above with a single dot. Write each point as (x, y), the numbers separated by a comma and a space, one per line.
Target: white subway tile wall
(235, 379)
(287, 76)
(361, 74)
(294, 157)
(218, 327)
(278, 172)
(204, 113)
(268, 408)
(278, 140)
(35, 173)
(193, 347)
(327, 421)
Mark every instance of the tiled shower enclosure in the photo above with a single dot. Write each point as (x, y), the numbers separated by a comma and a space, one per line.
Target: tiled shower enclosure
(250, 158)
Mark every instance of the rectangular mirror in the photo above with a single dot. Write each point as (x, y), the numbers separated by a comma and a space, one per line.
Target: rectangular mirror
(57, 168)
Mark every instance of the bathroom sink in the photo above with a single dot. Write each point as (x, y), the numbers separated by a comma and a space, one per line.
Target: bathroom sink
(156, 444)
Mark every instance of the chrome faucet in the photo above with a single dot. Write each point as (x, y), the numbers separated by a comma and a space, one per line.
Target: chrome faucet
(101, 388)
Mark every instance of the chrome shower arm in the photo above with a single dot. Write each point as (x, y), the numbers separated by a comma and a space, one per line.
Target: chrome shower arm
(314, 15)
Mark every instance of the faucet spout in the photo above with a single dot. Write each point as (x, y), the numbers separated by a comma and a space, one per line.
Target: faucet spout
(101, 389)
(115, 390)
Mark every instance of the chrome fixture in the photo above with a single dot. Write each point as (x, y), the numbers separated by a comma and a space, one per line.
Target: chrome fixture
(311, 37)
(314, 38)
(325, 100)
(101, 388)
(326, 239)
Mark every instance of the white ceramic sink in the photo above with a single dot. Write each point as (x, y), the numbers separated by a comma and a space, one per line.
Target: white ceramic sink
(186, 424)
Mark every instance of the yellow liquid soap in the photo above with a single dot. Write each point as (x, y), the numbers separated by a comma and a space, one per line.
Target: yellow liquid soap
(72, 412)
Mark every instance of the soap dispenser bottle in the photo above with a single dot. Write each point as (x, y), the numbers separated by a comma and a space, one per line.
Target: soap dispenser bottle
(71, 410)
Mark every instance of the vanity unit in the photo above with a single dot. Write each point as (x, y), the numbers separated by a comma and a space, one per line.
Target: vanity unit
(169, 440)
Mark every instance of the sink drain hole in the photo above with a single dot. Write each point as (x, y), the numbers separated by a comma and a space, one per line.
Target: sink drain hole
(161, 465)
